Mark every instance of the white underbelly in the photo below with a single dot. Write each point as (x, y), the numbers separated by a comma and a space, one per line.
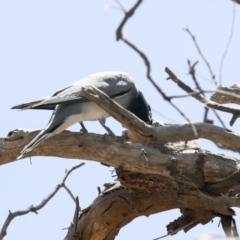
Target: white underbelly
(89, 112)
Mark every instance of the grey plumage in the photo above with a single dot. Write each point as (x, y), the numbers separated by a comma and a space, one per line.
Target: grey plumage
(70, 106)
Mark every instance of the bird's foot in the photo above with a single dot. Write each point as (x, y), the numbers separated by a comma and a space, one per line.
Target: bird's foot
(83, 130)
(110, 132)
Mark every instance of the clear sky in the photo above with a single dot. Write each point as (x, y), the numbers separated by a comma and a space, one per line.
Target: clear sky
(49, 44)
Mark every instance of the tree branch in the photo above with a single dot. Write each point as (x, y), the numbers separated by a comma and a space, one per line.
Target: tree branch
(201, 98)
(120, 36)
(117, 152)
(116, 207)
(203, 57)
(34, 209)
(227, 95)
(192, 72)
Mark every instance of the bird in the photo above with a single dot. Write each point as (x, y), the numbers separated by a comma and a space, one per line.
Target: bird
(70, 106)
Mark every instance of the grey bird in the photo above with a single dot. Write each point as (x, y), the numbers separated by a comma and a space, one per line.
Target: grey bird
(70, 106)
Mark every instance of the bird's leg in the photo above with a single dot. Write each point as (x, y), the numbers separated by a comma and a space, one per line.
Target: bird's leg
(83, 130)
(110, 132)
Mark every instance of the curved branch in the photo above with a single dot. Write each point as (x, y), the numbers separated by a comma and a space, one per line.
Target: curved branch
(144, 58)
(162, 159)
(115, 208)
(34, 209)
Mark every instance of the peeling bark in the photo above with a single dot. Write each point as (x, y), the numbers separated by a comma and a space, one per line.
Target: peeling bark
(227, 95)
(155, 172)
(152, 178)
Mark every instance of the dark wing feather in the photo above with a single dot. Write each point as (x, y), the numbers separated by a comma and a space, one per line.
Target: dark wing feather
(113, 84)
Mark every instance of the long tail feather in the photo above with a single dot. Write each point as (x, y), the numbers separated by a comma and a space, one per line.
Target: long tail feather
(28, 105)
(37, 140)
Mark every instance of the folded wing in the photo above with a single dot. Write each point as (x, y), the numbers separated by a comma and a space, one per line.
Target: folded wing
(114, 84)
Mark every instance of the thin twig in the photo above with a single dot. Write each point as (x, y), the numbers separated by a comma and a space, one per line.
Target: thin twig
(200, 97)
(120, 36)
(69, 192)
(192, 72)
(107, 6)
(203, 57)
(188, 95)
(121, 6)
(228, 44)
(164, 116)
(32, 208)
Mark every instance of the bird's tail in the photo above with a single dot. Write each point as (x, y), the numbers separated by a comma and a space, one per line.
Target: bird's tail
(29, 105)
(44, 134)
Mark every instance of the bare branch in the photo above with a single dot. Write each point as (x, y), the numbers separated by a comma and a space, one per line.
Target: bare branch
(120, 36)
(189, 94)
(203, 57)
(228, 44)
(201, 98)
(128, 14)
(117, 152)
(117, 206)
(69, 192)
(227, 95)
(192, 72)
(120, 5)
(72, 230)
(34, 209)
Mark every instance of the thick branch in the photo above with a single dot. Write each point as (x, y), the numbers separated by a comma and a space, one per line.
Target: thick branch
(185, 169)
(115, 208)
(159, 159)
(236, 1)
(227, 95)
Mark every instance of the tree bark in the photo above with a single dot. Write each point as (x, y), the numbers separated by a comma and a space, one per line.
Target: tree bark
(227, 95)
(152, 178)
(155, 171)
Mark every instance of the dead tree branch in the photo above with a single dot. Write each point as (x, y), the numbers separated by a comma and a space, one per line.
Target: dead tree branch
(117, 206)
(228, 44)
(201, 98)
(107, 150)
(120, 36)
(34, 209)
(236, 1)
(192, 72)
(227, 95)
(166, 176)
(202, 56)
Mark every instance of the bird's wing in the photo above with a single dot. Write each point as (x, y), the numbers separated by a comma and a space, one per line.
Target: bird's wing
(29, 104)
(114, 84)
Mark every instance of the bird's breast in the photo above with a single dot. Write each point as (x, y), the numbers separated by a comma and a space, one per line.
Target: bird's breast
(91, 112)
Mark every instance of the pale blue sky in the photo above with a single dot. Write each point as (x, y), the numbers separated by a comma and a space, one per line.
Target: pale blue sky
(49, 44)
